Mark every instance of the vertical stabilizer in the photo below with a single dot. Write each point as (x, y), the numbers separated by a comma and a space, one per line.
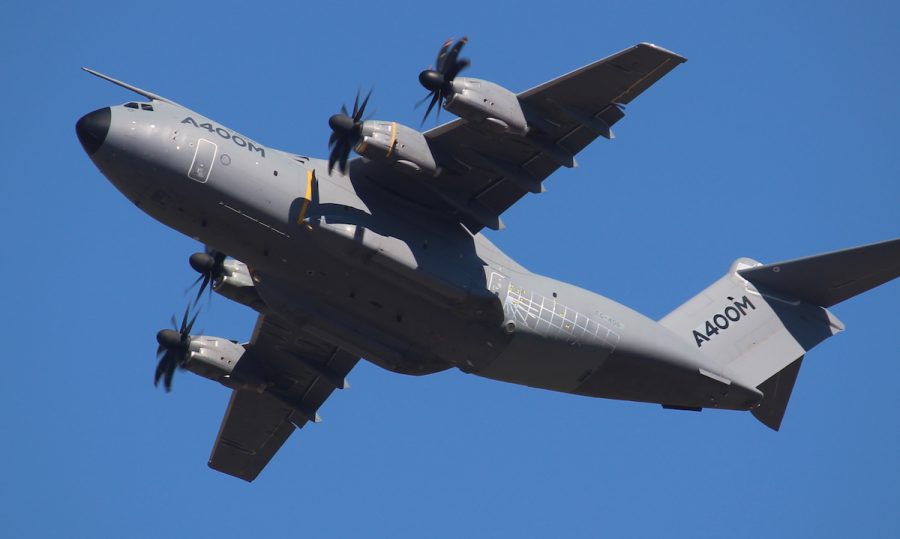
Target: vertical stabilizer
(758, 321)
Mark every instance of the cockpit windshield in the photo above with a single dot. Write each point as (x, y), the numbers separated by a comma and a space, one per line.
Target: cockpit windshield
(141, 106)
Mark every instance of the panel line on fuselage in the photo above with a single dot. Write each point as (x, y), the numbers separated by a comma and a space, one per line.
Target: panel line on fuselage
(549, 316)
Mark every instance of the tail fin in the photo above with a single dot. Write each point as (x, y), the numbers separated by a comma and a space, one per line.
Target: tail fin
(758, 320)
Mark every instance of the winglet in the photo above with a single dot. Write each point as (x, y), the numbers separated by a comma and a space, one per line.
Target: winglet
(135, 89)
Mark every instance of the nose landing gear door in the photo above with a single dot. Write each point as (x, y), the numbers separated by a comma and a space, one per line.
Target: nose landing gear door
(203, 160)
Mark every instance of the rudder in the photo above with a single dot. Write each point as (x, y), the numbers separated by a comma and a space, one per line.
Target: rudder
(776, 394)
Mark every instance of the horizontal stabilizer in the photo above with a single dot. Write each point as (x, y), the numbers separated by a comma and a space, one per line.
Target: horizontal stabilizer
(830, 278)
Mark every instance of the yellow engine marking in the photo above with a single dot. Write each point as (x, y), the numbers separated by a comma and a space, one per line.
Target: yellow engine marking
(393, 138)
(307, 198)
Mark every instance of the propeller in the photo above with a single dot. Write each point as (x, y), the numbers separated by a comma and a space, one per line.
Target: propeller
(210, 266)
(438, 81)
(346, 130)
(174, 347)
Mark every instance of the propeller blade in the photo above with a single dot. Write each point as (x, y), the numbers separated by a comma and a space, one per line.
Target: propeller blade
(424, 99)
(170, 372)
(188, 289)
(332, 157)
(454, 53)
(160, 369)
(184, 319)
(206, 285)
(442, 55)
(456, 68)
(357, 117)
(435, 98)
(204, 281)
(343, 164)
(335, 155)
(187, 331)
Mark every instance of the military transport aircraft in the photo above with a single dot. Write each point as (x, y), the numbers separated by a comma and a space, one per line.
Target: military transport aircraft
(380, 257)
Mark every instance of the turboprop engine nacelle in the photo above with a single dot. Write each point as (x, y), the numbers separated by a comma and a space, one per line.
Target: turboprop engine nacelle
(393, 143)
(481, 101)
(237, 284)
(216, 358)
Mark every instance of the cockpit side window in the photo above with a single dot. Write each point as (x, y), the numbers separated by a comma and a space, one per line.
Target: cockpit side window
(146, 106)
(131, 105)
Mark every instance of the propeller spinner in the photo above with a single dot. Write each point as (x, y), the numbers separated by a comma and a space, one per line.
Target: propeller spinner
(210, 266)
(439, 81)
(346, 130)
(174, 348)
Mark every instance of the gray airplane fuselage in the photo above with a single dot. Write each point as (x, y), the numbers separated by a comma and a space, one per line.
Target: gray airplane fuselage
(344, 259)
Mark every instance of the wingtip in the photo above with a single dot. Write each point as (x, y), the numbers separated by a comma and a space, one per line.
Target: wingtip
(94, 72)
(675, 55)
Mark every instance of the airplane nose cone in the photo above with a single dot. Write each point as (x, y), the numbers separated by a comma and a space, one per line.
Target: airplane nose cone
(92, 129)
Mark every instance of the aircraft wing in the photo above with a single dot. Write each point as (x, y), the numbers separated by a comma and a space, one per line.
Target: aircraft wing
(484, 173)
(303, 372)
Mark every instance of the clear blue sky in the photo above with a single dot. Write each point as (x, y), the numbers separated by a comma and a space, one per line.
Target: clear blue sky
(778, 138)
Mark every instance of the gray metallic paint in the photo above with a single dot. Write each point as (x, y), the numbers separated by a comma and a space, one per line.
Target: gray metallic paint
(381, 264)
(355, 265)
